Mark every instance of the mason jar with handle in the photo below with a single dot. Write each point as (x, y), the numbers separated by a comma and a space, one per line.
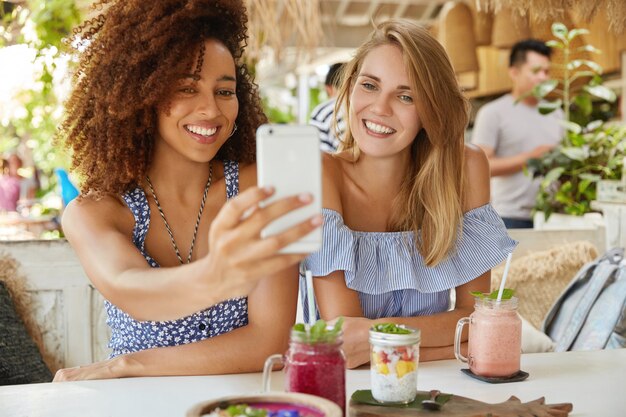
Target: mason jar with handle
(312, 367)
(495, 338)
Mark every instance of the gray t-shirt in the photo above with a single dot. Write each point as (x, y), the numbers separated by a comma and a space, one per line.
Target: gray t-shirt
(511, 129)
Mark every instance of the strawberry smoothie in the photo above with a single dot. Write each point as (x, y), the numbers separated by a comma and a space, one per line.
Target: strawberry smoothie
(495, 334)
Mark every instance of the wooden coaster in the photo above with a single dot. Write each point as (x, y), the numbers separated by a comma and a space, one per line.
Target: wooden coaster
(519, 376)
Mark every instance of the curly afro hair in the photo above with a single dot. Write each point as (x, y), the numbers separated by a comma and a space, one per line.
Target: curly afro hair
(132, 53)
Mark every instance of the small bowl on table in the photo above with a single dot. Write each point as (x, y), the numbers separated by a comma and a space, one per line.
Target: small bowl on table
(307, 405)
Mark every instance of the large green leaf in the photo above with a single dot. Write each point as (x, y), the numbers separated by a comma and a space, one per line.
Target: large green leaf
(582, 186)
(552, 176)
(576, 153)
(583, 102)
(588, 48)
(594, 125)
(602, 92)
(547, 107)
(571, 126)
(593, 65)
(544, 88)
(365, 397)
(590, 177)
(580, 74)
(577, 63)
(576, 32)
(559, 30)
(555, 44)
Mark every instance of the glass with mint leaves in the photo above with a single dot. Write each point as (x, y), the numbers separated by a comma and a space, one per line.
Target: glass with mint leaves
(314, 362)
(495, 335)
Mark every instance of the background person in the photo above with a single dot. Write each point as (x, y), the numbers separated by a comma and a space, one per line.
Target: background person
(10, 182)
(323, 115)
(511, 133)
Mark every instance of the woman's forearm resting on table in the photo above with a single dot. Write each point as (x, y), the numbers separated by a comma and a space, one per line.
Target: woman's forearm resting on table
(239, 351)
(437, 335)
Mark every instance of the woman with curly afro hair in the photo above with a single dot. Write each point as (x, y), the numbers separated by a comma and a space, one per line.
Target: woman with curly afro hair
(161, 126)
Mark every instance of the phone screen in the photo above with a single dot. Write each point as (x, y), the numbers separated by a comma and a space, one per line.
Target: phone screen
(289, 159)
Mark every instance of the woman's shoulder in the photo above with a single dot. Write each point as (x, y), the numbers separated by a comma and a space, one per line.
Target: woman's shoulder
(475, 157)
(97, 212)
(333, 166)
(477, 177)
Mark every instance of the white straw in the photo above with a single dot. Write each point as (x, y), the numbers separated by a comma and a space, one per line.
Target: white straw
(311, 296)
(506, 272)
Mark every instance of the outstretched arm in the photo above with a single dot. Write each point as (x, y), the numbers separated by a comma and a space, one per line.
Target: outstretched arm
(237, 260)
(271, 313)
(509, 165)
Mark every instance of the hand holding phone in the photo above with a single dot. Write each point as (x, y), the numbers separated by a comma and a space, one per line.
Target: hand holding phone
(289, 159)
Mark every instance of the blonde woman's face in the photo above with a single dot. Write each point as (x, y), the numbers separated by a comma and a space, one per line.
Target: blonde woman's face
(383, 115)
(204, 108)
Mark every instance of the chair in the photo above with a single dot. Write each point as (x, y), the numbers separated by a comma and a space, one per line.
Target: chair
(21, 349)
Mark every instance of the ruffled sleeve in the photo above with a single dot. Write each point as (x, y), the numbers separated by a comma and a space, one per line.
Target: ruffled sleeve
(377, 262)
(338, 247)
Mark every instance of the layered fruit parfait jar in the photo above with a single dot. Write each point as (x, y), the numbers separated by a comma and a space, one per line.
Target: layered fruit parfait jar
(394, 361)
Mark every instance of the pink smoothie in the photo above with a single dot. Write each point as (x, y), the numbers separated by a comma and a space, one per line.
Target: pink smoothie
(495, 339)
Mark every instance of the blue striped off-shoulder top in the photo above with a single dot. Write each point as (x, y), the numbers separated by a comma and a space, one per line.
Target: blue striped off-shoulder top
(389, 273)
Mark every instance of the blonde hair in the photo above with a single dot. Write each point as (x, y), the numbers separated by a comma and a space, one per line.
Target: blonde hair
(430, 202)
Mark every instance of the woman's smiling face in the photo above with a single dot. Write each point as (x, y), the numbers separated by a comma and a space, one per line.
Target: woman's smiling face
(202, 113)
(383, 115)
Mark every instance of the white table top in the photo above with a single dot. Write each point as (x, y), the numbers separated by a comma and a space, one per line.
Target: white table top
(594, 382)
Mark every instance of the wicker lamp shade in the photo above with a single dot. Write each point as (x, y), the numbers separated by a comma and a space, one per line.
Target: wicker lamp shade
(508, 29)
(456, 34)
(483, 23)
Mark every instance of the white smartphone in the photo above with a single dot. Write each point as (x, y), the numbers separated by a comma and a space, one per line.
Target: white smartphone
(290, 160)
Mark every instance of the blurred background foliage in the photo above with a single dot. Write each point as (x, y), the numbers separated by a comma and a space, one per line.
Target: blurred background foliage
(29, 119)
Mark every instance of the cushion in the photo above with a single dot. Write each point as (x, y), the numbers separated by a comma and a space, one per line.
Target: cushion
(534, 340)
(539, 277)
(20, 359)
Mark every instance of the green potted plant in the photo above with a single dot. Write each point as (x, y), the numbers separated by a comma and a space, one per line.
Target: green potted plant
(592, 149)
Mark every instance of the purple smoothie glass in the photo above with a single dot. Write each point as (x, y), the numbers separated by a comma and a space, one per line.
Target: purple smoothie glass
(316, 368)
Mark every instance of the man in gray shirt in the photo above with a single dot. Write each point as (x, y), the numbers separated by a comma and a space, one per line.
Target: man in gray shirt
(511, 133)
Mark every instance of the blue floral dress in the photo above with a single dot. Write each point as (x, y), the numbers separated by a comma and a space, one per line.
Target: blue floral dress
(129, 335)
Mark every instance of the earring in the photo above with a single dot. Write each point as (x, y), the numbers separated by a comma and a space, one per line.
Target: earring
(234, 130)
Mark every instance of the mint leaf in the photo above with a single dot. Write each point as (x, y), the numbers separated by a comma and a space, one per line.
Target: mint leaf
(319, 332)
(507, 293)
(337, 327)
(391, 328)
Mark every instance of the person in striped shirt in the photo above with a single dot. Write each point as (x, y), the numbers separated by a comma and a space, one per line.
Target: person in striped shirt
(407, 218)
(330, 128)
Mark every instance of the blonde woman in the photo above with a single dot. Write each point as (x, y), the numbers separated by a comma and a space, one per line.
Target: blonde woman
(407, 217)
